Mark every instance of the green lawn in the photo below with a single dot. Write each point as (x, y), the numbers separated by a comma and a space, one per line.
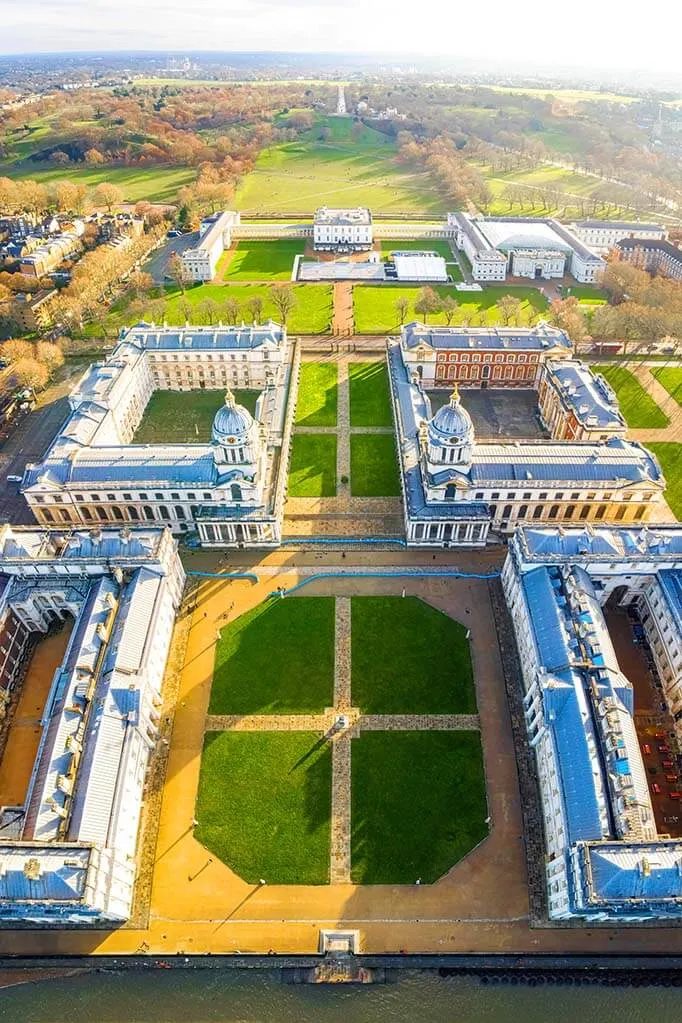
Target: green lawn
(374, 308)
(585, 294)
(639, 409)
(264, 805)
(262, 260)
(276, 659)
(409, 658)
(317, 394)
(438, 245)
(572, 187)
(370, 403)
(418, 804)
(312, 472)
(670, 377)
(157, 184)
(352, 167)
(373, 465)
(206, 304)
(669, 455)
(185, 417)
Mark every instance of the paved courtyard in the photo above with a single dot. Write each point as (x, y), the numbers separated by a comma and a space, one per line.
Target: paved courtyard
(496, 413)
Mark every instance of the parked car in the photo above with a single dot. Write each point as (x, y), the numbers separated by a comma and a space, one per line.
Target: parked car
(671, 777)
(646, 749)
(656, 789)
(174, 234)
(667, 763)
(675, 795)
(663, 749)
(13, 478)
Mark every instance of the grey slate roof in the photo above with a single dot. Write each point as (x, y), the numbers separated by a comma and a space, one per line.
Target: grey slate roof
(538, 338)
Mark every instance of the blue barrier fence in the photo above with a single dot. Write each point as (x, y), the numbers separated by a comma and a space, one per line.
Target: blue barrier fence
(406, 574)
(225, 575)
(349, 541)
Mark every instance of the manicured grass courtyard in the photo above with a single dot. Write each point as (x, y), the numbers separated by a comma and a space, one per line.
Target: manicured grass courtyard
(639, 409)
(276, 659)
(317, 394)
(312, 471)
(418, 804)
(264, 805)
(185, 417)
(438, 245)
(669, 455)
(352, 166)
(370, 403)
(670, 377)
(375, 312)
(207, 304)
(409, 658)
(255, 260)
(373, 465)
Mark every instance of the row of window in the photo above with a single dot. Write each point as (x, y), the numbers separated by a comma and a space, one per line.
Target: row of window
(544, 495)
(486, 357)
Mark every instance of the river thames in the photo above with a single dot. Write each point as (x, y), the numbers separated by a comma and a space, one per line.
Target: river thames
(257, 996)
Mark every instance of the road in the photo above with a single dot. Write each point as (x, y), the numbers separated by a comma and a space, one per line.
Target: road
(156, 264)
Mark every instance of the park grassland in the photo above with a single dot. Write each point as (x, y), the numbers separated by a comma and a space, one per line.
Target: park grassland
(669, 455)
(373, 465)
(670, 377)
(317, 394)
(311, 313)
(276, 659)
(639, 409)
(352, 167)
(370, 403)
(264, 805)
(374, 306)
(573, 187)
(151, 183)
(312, 470)
(185, 417)
(409, 658)
(258, 260)
(418, 804)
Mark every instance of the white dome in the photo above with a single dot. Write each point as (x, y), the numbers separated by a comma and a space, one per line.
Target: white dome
(451, 424)
(232, 422)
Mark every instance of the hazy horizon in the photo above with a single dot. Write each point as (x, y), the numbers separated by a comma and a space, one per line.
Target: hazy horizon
(588, 38)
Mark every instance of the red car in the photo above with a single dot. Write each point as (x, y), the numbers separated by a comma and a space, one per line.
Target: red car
(667, 763)
(671, 777)
(656, 789)
(659, 735)
(663, 749)
(646, 749)
(675, 795)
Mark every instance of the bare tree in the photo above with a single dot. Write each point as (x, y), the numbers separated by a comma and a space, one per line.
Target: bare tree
(51, 356)
(450, 307)
(402, 308)
(31, 373)
(255, 305)
(232, 309)
(283, 298)
(14, 350)
(508, 307)
(108, 195)
(175, 269)
(427, 302)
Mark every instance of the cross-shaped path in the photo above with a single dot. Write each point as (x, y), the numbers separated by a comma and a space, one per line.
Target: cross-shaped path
(340, 734)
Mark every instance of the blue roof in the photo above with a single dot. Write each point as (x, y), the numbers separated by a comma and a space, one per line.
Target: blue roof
(588, 395)
(495, 338)
(152, 337)
(646, 871)
(671, 584)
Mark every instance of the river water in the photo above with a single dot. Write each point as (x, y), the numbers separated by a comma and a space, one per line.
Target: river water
(257, 996)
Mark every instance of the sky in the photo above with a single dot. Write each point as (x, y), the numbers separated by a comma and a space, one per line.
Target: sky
(584, 33)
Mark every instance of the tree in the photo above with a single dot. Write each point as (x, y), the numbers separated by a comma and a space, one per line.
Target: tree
(50, 355)
(232, 309)
(93, 157)
(427, 302)
(450, 307)
(283, 298)
(509, 308)
(31, 373)
(175, 269)
(402, 308)
(108, 195)
(15, 350)
(140, 283)
(567, 315)
(209, 310)
(255, 306)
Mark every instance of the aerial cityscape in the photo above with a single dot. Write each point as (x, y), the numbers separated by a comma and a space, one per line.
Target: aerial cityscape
(340, 526)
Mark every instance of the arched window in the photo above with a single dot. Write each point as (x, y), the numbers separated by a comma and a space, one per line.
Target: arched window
(134, 514)
(554, 511)
(450, 492)
(537, 511)
(165, 514)
(236, 492)
(179, 511)
(101, 513)
(584, 511)
(118, 514)
(523, 511)
(506, 514)
(148, 512)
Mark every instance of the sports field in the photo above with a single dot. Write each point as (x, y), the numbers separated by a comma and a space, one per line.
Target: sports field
(374, 306)
(353, 166)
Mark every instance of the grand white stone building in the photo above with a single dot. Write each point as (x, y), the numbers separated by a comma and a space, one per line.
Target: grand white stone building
(342, 230)
(457, 490)
(602, 235)
(215, 235)
(230, 489)
(604, 856)
(540, 249)
(68, 853)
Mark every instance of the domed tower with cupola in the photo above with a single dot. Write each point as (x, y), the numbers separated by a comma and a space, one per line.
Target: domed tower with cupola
(240, 450)
(450, 437)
